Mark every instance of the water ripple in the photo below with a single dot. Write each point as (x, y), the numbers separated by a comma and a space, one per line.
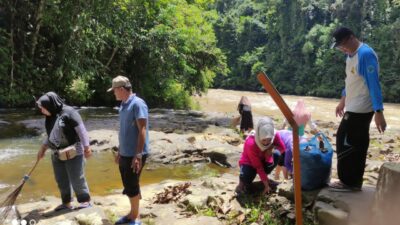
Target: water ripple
(9, 153)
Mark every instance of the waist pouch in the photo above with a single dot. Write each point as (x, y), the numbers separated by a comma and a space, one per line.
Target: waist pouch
(66, 153)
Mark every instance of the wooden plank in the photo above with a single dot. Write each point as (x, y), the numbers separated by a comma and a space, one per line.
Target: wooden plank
(270, 88)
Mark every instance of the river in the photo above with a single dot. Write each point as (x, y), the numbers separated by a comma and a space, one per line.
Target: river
(18, 146)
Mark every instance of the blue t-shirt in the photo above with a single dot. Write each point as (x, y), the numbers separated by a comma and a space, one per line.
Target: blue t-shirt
(131, 110)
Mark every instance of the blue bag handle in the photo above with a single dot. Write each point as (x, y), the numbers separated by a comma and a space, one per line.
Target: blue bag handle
(324, 144)
(322, 147)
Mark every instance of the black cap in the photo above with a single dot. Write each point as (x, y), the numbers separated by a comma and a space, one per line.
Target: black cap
(341, 34)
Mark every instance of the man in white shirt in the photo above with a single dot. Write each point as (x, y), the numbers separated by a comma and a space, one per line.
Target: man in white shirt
(361, 100)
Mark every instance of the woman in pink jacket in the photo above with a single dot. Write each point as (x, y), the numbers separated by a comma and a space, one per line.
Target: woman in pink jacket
(259, 156)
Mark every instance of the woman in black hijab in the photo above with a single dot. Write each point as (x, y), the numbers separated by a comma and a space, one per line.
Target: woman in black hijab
(65, 130)
(246, 121)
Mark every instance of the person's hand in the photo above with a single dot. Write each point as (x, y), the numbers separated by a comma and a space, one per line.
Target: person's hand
(136, 164)
(380, 122)
(266, 188)
(340, 109)
(87, 152)
(268, 151)
(41, 153)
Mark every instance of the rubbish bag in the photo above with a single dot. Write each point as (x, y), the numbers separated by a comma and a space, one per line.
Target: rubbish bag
(301, 115)
(315, 162)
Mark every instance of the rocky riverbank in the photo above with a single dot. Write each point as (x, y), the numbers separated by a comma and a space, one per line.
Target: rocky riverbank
(182, 137)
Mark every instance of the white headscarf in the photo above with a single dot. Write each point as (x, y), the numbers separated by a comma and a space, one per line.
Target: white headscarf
(264, 129)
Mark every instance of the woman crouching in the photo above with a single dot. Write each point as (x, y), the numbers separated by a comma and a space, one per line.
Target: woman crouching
(261, 152)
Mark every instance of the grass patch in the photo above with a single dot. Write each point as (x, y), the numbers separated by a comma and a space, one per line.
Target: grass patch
(208, 212)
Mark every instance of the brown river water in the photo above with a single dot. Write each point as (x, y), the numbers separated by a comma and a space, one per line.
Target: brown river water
(17, 153)
(218, 100)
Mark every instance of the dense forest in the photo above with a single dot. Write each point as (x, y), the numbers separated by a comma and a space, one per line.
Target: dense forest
(172, 49)
(290, 41)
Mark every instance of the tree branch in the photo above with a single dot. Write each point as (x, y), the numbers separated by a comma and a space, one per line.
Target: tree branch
(112, 56)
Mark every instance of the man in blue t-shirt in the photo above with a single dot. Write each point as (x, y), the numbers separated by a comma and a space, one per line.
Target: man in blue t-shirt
(362, 98)
(133, 143)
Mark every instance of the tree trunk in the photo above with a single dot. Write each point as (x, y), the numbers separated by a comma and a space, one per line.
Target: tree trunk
(38, 23)
(12, 20)
(386, 208)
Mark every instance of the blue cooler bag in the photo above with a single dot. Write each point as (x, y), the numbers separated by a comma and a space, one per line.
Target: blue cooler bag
(315, 162)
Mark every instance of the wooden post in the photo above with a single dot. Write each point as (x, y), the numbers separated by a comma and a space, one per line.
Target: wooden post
(270, 88)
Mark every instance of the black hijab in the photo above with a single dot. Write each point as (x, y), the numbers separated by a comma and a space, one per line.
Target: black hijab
(54, 104)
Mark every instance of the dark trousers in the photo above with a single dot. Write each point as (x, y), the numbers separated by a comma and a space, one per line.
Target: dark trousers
(248, 173)
(130, 179)
(352, 141)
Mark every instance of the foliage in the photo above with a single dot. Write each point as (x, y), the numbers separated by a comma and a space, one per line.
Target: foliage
(78, 91)
(166, 48)
(172, 49)
(290, 41)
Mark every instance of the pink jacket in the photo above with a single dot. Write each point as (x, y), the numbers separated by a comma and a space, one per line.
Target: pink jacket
(254, 157)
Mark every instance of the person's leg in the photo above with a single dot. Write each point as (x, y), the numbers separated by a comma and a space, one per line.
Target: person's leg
(135, 201)
(341, 147)
(278, 170)
(279, 167)
(285, 173)
(61, 176)
(270, 166)
(246, 177)
(288, 162)
(130, 181)
(352, 147)
(76, 173)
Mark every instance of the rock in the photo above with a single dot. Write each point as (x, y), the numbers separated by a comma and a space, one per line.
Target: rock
(326, 214)
(285, 189)
(279, 201)
(390, 141)
(356, 205)
(89, 219)
(103, 139)
(191, 139)
(2, 122)
(196, 199)
(197, 221)
(47, 216)
(386, 150)
(291, 216)
(386, 206)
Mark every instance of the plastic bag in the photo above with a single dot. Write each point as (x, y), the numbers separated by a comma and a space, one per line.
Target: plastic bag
(315, 162)
(301, 115)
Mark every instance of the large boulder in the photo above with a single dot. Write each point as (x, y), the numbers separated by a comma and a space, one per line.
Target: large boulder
(352, 208)
(43, 214)
(386, 206)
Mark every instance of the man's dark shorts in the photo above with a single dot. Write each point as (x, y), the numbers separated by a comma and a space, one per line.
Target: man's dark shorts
(130, 179)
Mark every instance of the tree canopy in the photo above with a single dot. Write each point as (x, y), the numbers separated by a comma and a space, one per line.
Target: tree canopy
(290, 41)
(167, 48)
(172, 49)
